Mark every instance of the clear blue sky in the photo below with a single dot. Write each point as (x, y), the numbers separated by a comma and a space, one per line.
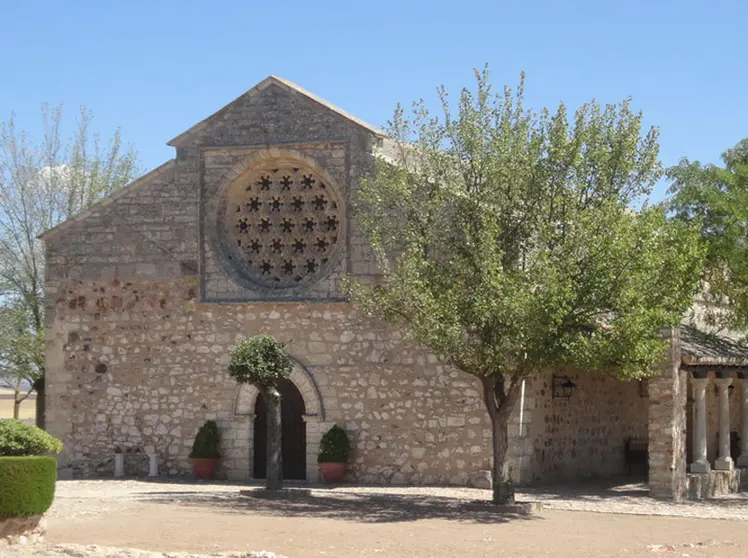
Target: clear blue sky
(155, 68)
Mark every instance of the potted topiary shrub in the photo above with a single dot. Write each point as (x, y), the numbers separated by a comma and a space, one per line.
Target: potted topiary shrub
(205, 454)
(27, 472)
(333, 454)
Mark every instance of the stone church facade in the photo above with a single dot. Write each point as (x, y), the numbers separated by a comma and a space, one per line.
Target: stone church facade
(249, 230)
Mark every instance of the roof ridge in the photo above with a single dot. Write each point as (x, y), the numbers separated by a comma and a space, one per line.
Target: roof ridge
(286, 84)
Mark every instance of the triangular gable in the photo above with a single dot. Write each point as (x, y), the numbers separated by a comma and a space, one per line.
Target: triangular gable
(129, 188)
(187, 135)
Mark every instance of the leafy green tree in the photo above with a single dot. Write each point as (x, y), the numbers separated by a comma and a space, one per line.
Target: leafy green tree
(263, 362)
(508, 246)
(716, 200)
(42, 184)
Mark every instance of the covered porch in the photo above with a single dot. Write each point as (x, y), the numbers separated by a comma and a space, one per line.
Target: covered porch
(698, 418)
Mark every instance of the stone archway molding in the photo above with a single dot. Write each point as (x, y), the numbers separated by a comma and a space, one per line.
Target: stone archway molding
(246, 395)
(260, 156)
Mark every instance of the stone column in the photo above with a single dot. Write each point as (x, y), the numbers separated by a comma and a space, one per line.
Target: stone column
(724, 461)
(119, 465)
(743, 459)
(700, 463)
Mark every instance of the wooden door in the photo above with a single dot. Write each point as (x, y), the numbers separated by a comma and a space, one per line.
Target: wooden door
(293, 429)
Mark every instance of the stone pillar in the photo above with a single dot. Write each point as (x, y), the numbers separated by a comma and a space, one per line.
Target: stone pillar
(119, 465)
(724, 461)
(153, 464)
(667, 425)
(743, 459)
(700, 463)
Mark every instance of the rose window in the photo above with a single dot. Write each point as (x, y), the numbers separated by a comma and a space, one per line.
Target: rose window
(284, 224)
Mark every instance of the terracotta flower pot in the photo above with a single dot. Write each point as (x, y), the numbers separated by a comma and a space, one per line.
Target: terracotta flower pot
(205, 467)
(332, 472)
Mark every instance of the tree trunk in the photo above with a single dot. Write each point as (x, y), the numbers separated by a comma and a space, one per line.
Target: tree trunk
(274, 473)
(503, 489)
(499, 397)
(40, 402)
(16, 407)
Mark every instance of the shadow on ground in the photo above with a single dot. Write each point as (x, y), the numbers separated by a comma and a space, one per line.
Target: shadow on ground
(590, 490)
(367, 508)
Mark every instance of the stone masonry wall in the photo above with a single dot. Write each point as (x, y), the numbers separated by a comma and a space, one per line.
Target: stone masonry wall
(145, 364)
(582, 436)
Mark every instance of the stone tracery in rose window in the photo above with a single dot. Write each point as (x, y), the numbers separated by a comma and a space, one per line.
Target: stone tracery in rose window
(284, 224)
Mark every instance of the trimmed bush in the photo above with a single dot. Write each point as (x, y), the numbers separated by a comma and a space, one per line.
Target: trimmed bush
(19, 438)
(27, 485)
(334, 446)
(260, 360)
(206, 442)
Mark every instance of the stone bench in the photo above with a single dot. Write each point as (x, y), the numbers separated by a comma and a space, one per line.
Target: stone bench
(636, 452)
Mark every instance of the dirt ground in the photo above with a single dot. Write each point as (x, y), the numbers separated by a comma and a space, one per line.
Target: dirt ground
(412, 522)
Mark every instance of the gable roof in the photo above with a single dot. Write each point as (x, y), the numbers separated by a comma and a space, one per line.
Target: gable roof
(132, 186)
(185, 136)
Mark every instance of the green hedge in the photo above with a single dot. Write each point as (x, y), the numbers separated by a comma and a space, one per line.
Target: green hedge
(27, 485)
(17, 438)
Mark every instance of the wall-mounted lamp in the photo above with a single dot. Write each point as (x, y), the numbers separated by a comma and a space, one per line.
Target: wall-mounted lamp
(644, 387)
(563, 386)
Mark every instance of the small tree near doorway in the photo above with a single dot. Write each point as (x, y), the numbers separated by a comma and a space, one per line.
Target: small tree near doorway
(263, 362)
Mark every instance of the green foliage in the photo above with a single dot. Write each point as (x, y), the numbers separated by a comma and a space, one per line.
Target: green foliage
(716, 200)
(206, 442)
(20, 439)
(334, 446)
(27, 485)
(508, 244)
(260, 360)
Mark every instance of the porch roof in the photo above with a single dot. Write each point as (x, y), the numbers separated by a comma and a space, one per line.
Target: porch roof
(701, 348)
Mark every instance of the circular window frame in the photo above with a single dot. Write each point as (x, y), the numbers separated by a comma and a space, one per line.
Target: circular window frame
(228, 254)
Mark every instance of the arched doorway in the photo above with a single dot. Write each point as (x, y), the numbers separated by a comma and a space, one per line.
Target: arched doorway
(294, 433)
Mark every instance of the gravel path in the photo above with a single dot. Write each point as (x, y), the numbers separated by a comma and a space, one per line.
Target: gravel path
(211, 519)
(83, 499)
(95, 551)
